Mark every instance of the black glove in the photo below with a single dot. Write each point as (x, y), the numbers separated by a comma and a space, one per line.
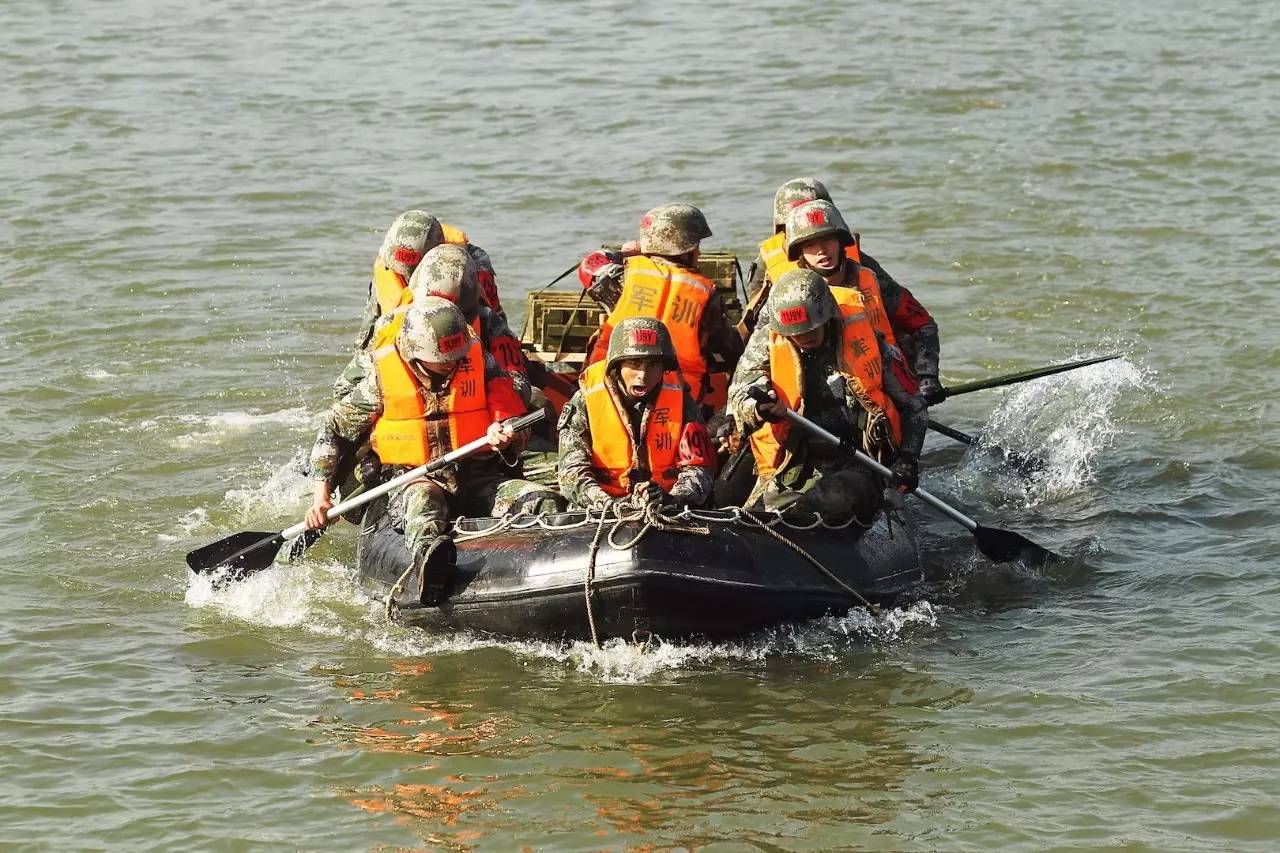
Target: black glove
(763, 397)
(646, 493)
(602, 503)
(931, 389)
(906, 471)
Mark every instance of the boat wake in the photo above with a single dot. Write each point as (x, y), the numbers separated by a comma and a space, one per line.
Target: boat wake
(322, 598)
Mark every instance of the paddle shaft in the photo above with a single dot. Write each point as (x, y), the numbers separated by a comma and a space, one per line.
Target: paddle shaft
(522, 422)
(952, 432)
(937, 503)
(1022, 376)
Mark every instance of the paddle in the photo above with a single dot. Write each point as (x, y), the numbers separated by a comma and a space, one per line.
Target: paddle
(1025, 463)
(1021, 376)
(251, 551)
(1000, 546)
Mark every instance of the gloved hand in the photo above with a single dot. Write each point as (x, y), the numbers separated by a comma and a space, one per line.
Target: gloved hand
(646, 493)
(768, 406)
(931, 389)
(906, 472)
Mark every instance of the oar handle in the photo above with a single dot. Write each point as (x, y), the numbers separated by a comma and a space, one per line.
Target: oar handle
(936, 503)
(516, 424)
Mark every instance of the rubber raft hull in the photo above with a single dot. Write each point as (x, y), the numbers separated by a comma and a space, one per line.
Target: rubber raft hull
(530, 583)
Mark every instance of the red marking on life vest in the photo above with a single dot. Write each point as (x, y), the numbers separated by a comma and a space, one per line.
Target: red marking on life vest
(644, 337)
(450, 343)
(793, 316)
(407, 256)
(817, 216)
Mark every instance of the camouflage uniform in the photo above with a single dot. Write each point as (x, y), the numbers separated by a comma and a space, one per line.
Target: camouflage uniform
(634, 338)
(913, 327)
(815, 476)
(483, 484)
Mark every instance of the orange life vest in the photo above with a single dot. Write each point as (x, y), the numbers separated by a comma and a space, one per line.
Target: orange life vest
(404, 435)
(774, 254)
(858, 358)
(391, 286)
(655, 287)
(612, 454)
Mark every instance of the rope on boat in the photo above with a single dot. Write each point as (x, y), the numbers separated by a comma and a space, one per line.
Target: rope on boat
(752, 521)
(653, 516)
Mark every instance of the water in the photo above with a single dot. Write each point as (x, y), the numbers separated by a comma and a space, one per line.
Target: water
(193, 196)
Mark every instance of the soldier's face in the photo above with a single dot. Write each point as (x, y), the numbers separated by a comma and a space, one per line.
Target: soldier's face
(438, 369)
(822, 254)
(811, 339)
(639, 376)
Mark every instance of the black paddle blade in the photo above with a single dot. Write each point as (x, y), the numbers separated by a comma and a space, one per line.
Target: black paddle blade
(1005, 546)
(300, 545)
(241, 553)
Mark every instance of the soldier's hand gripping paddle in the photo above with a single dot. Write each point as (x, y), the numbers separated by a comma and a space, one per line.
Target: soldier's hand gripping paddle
(251, 551)
(1001, 546)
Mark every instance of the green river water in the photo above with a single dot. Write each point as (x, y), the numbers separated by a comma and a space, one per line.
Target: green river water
(193, 194)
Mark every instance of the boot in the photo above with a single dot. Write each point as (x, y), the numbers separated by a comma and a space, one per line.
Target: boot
(435, 564)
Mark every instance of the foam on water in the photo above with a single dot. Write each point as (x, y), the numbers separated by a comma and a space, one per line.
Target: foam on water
(323, 599)
(284, 491)
(1064, 421)
(197, 430)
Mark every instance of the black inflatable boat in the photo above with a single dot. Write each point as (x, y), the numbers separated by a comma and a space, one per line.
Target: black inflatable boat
(530, 579)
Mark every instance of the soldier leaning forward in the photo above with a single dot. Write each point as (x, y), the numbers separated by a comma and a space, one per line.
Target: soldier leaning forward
(663, 281)
(410, 237)
(899, 316)
(820, 355)
(431, 391)
(633, 431)
(449, 272)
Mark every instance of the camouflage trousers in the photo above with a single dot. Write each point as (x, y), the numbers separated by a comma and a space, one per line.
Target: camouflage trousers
(424, 508)
(835, 490)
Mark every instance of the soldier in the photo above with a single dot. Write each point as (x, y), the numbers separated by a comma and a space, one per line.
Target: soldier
(900, 317)
(432, 390)
(662, 280)
(820, 355)
(634, 429)
(447, 271)
(410, 237)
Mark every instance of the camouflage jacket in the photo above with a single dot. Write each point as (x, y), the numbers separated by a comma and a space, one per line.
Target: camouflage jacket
(351, 419)
(494, 333)
(579, 482)
(837, 416)
(488, 293)
(912, 325)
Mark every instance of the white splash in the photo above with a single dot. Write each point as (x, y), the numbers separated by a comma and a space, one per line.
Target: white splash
(284, 491)
(189, 523)
(309, 596)
(196, 430)
(1063, 421)
(97, 374)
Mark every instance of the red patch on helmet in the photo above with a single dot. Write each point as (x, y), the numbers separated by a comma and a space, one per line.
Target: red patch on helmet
(817, 216)
(452, 343)
(407, 256)
(644, 337)
(798, 202)
(794, 316)
(646, 222)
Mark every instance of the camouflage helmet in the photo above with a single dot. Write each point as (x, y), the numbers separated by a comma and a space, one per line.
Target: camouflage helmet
(406, 241)
(793, 192)
(641, 337)
(812, 220)
(434, 331)
(800, 302)
(672, 229)
(447, 271)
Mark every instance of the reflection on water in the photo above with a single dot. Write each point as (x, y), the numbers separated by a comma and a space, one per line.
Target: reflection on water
(793, 750)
